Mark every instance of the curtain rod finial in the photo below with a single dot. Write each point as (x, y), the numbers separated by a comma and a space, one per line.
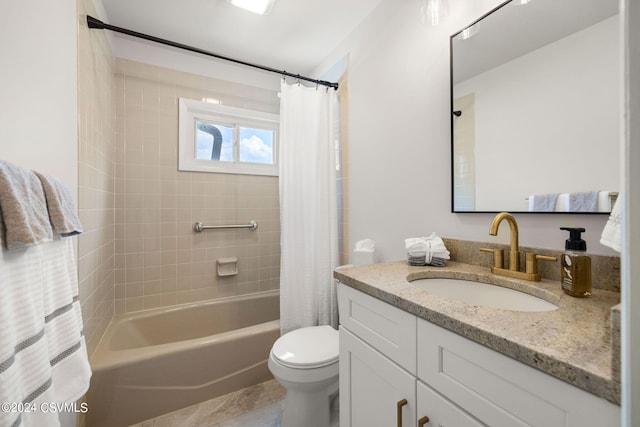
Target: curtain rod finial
(94, 23)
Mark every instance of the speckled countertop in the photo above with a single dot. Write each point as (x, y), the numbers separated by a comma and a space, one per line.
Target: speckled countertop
(572, 343)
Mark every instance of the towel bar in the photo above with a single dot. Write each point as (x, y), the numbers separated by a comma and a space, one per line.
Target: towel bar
(198, 227)
(612, 196)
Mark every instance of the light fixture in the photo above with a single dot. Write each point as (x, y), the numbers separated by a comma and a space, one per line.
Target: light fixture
(261, 7)
(432, 11)
(520, 2)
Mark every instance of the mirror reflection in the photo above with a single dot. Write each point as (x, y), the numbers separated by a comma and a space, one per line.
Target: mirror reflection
(535, 99)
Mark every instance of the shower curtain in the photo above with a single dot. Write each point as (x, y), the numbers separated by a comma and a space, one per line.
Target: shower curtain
(308, 206)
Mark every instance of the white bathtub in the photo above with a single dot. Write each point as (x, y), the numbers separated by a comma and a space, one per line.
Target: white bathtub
(157, 361)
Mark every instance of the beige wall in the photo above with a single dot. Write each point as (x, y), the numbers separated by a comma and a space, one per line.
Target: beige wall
(96, 163)
(159, 260)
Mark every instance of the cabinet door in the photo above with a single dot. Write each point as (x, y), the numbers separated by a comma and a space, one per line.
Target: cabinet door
(440, 411)
(372, 387)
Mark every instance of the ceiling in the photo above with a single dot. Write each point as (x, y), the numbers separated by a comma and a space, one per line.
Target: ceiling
(295, 36)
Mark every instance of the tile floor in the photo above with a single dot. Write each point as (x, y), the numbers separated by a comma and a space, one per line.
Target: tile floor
(256, 406)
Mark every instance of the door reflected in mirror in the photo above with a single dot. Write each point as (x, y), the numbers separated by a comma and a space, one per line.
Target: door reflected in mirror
(535, 98)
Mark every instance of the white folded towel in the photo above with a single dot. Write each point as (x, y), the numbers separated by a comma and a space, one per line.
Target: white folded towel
(428, 247)
(612, 232)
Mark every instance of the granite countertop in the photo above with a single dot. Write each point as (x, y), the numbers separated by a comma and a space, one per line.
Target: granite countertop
(572, 343)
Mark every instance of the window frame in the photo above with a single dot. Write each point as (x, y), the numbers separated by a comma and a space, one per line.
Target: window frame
(190, 110)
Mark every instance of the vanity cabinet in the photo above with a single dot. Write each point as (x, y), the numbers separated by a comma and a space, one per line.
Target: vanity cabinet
(396, 369)
(379, 391)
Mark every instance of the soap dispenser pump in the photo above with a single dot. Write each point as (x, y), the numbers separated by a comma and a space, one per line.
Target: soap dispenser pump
(576, 265)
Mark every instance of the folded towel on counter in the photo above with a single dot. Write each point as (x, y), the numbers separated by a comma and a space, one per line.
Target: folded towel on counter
(62, 209)
(426, 250)
(23, 207)
(543, 202)
(612, 232)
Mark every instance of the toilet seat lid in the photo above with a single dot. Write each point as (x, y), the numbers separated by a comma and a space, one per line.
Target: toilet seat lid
(310, 347)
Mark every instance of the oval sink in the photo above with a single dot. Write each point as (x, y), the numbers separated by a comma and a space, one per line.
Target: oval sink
(476, 293)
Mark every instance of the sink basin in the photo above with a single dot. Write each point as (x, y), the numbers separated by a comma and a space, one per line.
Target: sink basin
(476, 293)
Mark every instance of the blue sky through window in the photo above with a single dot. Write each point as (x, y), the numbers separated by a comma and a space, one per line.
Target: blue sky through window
(256, 145)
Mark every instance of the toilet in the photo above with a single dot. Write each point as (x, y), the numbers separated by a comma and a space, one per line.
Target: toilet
(305, 362)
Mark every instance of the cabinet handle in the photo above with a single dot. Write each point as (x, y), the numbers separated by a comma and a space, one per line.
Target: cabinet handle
(401, 403)
(422, 421)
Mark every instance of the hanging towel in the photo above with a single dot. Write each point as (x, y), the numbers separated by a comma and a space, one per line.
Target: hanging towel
(62, 209)
(604, 201)
(23, 207)
(582, 202)
(543, 202)
(43, 357)
(612, 232)
(562, 205)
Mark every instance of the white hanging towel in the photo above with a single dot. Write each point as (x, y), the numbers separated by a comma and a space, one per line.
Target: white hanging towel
(612, 232)
(43, 358)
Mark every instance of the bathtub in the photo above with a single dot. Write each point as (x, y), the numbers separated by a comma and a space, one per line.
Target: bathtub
(157, 361)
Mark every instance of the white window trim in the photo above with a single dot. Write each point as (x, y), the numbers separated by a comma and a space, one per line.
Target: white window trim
(190, 110)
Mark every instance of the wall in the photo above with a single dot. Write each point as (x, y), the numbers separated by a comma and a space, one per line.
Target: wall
(399, 136)
(38, 87)
(45, 108)
(96, 164)
(631, 243)
(159, 260)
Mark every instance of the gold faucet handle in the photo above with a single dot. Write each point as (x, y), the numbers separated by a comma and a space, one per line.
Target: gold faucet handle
(498, 256)
(532, 261)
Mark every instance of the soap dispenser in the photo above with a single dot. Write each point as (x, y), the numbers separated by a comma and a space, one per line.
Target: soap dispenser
(576, 265)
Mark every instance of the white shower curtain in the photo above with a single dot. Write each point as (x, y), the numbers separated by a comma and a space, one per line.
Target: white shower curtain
(308, 206)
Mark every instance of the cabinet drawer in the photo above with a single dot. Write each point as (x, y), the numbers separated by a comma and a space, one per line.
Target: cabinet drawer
(501, 391)
(386, 328)
(442, 412)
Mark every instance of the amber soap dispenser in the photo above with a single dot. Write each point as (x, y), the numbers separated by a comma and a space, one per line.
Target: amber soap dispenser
(576, 265)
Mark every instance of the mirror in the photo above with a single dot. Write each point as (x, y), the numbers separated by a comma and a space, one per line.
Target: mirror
(535, 90)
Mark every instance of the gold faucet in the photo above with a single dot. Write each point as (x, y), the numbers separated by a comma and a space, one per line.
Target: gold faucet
(531, 268)
(514, 251)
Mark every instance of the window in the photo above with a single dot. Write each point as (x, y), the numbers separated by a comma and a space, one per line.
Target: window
(219, 138)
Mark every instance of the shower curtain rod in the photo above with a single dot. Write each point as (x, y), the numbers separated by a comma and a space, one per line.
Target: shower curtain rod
(97, 24)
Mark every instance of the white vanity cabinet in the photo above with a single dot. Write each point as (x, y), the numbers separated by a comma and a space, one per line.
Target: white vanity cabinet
(395, 367)
(377, 391)
(377, 362)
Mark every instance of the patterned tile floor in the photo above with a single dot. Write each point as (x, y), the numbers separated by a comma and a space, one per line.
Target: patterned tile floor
(255, 406)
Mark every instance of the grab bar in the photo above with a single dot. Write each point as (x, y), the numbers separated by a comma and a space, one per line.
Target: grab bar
(198, 227)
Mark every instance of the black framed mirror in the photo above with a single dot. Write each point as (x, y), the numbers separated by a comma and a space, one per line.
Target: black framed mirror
(535, 101)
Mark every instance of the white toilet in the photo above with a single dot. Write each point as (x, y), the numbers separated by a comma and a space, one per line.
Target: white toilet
(305, 362)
